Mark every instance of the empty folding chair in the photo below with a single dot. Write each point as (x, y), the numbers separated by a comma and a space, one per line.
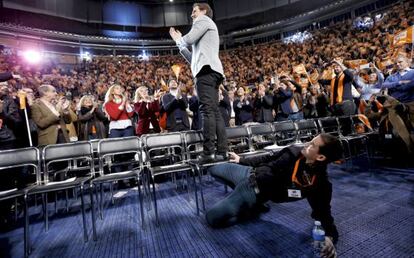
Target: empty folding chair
(165, 154)
(261, 135)
(67, 176)
(112, 170)
(10, 162)
(285, 134)
(306, 130)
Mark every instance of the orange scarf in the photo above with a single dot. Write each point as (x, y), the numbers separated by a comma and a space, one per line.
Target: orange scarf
(340, 89)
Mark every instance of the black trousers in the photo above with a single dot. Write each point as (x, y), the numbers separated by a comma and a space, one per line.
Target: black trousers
(207, 84)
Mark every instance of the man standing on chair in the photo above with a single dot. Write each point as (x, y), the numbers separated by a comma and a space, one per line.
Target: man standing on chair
(208, 73)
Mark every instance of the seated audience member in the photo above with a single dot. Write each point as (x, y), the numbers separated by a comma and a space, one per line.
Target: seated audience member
(91, 119)
(147, 108)
(243, 107)
(292, 174)
(51, 118)
(175, 105)
(119, 111)
(263, 105)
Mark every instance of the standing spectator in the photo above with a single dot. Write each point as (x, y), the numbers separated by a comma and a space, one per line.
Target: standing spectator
(91, 119)
(119, 111)
(147, 108)
(175, 104)
(50, 118)
(263, 106)
(368, 89)
(194, 107)
(341, 90)
(9, 110)
(225, 107)
(243, 107)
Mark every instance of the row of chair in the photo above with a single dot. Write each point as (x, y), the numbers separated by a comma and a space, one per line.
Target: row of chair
(145, 158)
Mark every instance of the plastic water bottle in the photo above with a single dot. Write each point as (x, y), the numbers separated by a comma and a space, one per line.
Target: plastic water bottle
(318, 236)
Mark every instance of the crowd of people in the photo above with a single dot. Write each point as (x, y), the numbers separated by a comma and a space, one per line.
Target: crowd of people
(122, 96)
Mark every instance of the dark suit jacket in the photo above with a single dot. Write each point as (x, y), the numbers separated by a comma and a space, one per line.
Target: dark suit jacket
(5, 76)
(244, 113)
(194, 107)
(225, 109)
(263, 108)
(47, 123)
(171, 105)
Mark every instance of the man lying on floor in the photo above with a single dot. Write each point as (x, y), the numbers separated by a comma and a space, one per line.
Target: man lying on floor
(292, 174)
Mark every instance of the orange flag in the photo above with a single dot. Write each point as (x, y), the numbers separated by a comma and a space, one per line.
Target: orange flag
(299, 69)
(356, 63)
(404, 37)
(22, 99)
(176, 69)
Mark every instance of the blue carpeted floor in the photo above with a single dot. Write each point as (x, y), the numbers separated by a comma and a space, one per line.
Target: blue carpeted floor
(374, 213)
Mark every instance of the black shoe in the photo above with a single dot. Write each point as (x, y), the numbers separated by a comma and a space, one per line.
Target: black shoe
(206, 158)
(262, 208)
(222, 156)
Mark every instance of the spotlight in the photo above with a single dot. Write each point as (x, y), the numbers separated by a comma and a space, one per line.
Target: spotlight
(86, 56)
(171, 1)
(32, 56)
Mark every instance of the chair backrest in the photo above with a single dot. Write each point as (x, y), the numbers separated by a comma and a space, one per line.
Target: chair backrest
(26, 157)
(329, 125)
(110, 147)
(345, 125)
(238, 138)
(261, 135)
(306, 129)
(167, 147)
(67, 152)
(193, 141)
(285, 132)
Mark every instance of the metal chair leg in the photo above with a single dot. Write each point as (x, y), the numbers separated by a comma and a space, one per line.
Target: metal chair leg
(200, 176)
(56, 200)
(141, 205)
(15, 209)
(85, 232)
(155, 203)
(46, 213)
(91, 190)
(67, 200)
(26, 227)
(101, 202)
(196, 194)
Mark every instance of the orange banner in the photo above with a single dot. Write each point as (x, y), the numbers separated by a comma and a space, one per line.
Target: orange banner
(353, 64)
(176, 69)
(404, 37)
(299, 69)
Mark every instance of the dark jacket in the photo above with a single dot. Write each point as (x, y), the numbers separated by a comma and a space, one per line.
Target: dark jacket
(274, 178)
(175, 108)
(147, 113)
(225, 109)
(243, 111)
(88, 120)
(5, 76)
(194, 107)
(263, 108)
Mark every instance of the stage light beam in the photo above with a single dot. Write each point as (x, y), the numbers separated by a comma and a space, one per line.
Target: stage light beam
(32, 56)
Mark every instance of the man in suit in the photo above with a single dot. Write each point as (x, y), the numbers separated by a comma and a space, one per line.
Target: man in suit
(263, 106)
(51, 119)
(175, 104)
(208, 73)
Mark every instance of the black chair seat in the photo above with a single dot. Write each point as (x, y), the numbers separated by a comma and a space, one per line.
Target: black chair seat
(59, 185)
(115, 177)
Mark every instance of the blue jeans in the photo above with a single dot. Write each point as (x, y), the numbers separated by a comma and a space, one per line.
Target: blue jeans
(116, 133)
(243, 198)
(296, 116)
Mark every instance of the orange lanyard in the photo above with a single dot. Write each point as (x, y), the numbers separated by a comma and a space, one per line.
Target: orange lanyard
(295, 178)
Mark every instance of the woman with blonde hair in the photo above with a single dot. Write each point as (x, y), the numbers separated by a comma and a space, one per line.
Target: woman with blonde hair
(91, 119)
(119, 111)
(147, 108)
